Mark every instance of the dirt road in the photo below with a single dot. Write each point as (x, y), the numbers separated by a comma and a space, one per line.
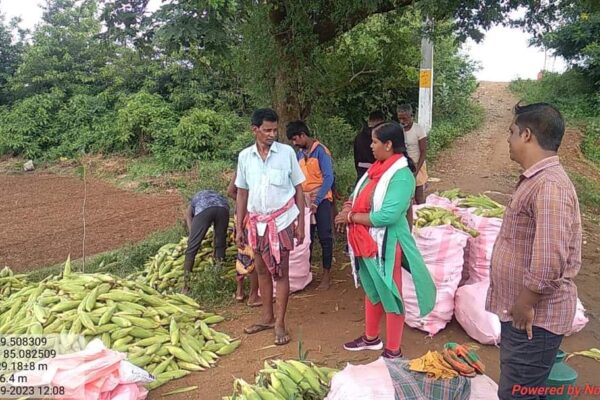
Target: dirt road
(323, 321)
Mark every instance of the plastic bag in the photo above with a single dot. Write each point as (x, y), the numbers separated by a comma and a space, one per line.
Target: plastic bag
(469, 310)
(483, 388)
(300, 273)
(91, 374)
(580, 320)
(478, 253)
(371, 381)
(442, 248)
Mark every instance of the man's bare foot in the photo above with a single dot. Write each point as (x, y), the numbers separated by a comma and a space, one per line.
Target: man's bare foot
(282, 337)
(325, 281)
(239, 292)
(254, 301)
(186, 287)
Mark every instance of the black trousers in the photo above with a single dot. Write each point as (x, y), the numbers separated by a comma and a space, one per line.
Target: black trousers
(324, 230)
(525, 363)
(217, 216)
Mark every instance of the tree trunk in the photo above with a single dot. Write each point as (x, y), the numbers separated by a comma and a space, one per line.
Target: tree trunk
(287, 95)
(285, 103)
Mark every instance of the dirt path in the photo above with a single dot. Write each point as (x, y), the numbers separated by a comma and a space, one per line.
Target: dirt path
(476, 163)
(41, 218)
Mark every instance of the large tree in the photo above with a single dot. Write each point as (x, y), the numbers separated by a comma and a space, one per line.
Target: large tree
(65, 53)
(571, 29)
(12, 45)
(280, 40)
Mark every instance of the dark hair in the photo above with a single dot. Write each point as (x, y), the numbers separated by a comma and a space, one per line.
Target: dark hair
(394, 132)
(296, 128)
(377, 115)
(545, 122)
(264, 114)
(405, 108)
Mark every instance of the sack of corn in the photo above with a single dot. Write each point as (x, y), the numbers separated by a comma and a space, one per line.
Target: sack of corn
(482, 206)
(283, 380)
(441, 239)
(484, 215)
(167, 335)
(436, 216)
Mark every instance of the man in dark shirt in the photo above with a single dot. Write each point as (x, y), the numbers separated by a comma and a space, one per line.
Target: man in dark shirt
(206, 208)
(363, 156)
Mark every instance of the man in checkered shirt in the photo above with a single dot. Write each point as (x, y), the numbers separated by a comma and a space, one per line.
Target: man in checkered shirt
(536, 256)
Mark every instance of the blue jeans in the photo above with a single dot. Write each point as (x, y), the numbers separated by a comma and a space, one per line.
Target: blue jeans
(524, 362)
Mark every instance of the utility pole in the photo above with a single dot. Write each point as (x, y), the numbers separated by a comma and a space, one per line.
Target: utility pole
(426, 80)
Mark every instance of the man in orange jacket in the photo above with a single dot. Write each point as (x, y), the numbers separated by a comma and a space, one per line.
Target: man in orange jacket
(317, 166)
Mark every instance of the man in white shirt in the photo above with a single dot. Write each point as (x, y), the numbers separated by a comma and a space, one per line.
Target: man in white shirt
(416, 145)
(269, 182)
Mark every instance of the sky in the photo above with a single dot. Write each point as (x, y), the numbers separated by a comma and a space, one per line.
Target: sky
(503, 55)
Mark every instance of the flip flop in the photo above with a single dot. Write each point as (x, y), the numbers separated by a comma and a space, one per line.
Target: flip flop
(281, 340)
(257, 304)
(252, 329)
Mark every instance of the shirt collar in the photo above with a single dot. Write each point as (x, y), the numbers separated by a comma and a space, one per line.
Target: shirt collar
(274, 148)
(540, 166)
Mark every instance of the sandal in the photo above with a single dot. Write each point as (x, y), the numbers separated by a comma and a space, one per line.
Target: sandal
(256, 304)
(281, 340)
(252, 329)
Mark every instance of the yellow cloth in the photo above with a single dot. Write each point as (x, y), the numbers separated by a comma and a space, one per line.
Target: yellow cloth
(433, 365)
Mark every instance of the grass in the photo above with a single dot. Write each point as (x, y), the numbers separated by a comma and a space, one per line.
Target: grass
(577, 100)
(588, 192)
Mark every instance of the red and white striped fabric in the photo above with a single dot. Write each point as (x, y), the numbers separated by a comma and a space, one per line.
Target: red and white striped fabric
(478, 253)
(442, 248)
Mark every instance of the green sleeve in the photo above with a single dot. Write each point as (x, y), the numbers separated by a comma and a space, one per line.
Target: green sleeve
(397, 199)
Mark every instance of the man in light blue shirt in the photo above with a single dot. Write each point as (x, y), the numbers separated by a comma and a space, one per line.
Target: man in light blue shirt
(269, 182)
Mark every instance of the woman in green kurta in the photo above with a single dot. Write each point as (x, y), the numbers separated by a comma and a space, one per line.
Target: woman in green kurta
(381, 242)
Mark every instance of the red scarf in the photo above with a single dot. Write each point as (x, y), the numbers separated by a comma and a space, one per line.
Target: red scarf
(361, 241)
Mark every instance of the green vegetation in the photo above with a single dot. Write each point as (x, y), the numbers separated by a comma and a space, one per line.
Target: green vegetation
(176, 86)
(579, 102)
(577, 91)
(588, 192)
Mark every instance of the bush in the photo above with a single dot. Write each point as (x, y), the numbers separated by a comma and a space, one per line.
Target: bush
(87, 125)
(578, 101)
(201, 134)
(142, 118)
(590, 145)
(208, 133)
(334, 132)
(29, 126)
(570, 92)
(345, 175)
